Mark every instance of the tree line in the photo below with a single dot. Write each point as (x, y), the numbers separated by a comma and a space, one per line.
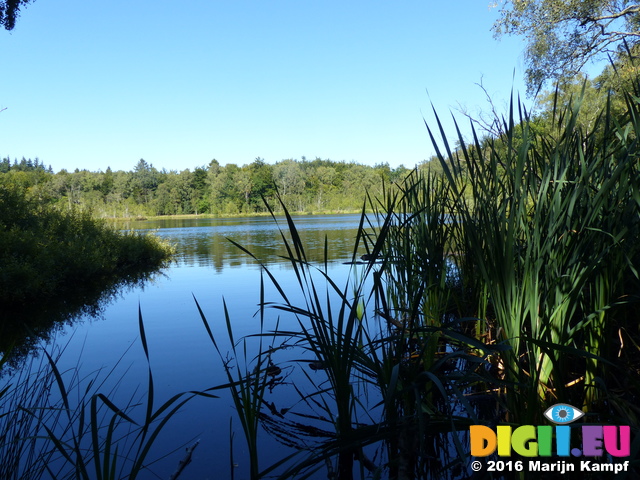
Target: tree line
(305, 186)
(310, 186)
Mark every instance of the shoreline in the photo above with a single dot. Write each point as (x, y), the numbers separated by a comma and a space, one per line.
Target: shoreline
(142, 218)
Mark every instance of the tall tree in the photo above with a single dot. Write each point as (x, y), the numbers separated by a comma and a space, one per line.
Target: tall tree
(228, 190)
(262, 182)
(564, 35)
(199, 200)
(289, 177)
(144, 181)
(588, 94)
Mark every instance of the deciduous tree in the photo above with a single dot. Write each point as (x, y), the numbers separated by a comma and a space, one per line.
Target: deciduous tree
(564, 35)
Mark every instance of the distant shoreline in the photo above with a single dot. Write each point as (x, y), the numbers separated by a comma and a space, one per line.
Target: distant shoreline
(140, 218)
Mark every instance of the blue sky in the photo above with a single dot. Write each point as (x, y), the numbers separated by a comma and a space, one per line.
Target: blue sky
(95, 83)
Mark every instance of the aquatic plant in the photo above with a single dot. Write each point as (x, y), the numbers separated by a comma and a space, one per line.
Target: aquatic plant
(551, 235)
(64, 425)
(22, 454)
(484, 295)
(388, 388)
(247, 386)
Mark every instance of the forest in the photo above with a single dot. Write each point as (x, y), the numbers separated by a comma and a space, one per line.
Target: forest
(307, 186)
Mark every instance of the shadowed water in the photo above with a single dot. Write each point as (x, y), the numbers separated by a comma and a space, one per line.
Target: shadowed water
(103, 341)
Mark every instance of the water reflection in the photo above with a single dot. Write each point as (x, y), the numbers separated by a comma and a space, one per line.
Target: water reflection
(23, 328)
(206, 242)
(209, 268)
(200, 242)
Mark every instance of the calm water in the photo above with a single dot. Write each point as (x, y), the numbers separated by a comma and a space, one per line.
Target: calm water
(209, 268)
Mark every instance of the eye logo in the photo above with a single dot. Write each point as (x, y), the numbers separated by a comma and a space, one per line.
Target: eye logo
(563, 413)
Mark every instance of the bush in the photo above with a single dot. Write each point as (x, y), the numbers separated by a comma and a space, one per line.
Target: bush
(46, 253)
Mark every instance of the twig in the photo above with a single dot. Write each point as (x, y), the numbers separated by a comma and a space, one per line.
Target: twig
(185, 461)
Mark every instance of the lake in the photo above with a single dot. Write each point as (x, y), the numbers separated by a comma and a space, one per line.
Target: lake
(211, 269)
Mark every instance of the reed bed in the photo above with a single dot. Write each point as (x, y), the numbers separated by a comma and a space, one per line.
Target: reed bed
(390, 398)
(551, 239)
(487, 294)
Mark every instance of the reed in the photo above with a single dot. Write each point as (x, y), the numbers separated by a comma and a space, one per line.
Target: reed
(22, 454)
(495, 293)
(83, 434)
(551, 234)
(395, 373)
(247, 386)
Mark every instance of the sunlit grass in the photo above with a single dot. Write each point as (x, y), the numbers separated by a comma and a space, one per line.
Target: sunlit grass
(550, 237)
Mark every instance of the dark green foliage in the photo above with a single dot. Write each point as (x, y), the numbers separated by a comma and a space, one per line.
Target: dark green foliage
(46, 253)
(305, 186)
(9, 12)
(263, 185)
(25, 165)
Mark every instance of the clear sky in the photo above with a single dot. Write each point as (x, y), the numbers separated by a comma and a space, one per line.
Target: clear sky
(103, 83)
